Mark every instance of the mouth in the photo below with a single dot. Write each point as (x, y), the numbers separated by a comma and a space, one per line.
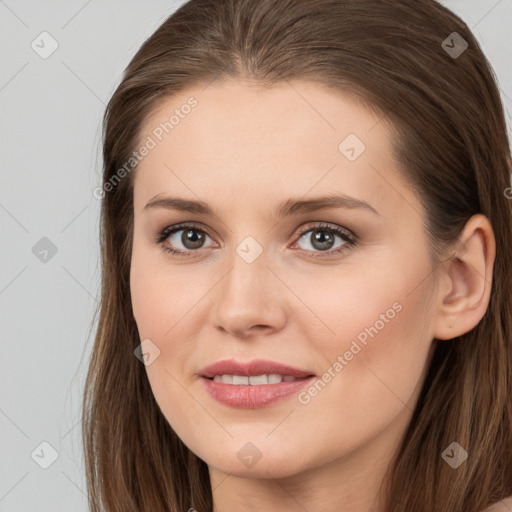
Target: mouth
(253, 384)
(255, 380)
(257, 368)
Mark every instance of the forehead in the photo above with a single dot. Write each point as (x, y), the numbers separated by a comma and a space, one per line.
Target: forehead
(298, 112)
(250, 143)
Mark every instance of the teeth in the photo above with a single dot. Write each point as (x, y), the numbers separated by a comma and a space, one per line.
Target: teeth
(258, 379)
(242, 380)
(238, 379)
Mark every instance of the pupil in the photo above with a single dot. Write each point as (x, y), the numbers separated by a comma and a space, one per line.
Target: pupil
(192, 239)
(324, 240)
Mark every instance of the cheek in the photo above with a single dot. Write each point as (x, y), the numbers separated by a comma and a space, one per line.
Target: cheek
(161, 294)
(376, 358)
(160, 301)
(387, 324)
(168, 303)
(383, 306)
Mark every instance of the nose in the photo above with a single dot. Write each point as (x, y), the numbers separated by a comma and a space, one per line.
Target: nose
(249, 300)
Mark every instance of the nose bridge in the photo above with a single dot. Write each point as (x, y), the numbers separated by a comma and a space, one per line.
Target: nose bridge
(246, 296)
(246, 279)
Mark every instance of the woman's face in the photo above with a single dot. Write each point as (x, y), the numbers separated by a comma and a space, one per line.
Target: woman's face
(266, 276)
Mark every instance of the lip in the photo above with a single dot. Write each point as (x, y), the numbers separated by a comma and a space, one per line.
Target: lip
(252, 368)
(249, 396)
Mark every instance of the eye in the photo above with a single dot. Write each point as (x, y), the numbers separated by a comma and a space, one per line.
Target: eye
(182, 239)
(322, 239)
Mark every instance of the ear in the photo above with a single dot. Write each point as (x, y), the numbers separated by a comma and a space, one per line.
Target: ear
(465, 285)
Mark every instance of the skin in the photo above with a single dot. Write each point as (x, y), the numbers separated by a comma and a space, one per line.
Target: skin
(244, 149)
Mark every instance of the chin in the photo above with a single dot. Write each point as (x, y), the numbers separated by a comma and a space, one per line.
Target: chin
(247, 462)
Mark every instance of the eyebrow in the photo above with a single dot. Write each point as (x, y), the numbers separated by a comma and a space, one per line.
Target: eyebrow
(285, 209)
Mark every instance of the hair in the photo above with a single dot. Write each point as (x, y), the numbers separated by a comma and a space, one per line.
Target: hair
(453, 149)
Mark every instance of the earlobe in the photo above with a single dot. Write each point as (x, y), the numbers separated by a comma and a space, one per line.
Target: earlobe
(464, 296)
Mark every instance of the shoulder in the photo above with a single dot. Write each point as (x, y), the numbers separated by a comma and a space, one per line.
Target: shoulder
(504, 505)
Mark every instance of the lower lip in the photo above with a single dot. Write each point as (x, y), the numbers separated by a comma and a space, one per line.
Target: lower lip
(253, 397)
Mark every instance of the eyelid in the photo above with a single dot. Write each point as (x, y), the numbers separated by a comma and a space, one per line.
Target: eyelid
(319, 225)
(169, 230)
(166, 232)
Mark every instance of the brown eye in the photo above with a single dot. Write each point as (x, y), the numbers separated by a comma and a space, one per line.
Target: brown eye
(183, 239)
(323, 239)
(192, 238)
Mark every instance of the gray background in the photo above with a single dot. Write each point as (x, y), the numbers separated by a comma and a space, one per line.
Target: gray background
(50, 163)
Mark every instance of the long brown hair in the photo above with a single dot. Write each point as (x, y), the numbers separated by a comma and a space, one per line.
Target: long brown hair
(453, 147)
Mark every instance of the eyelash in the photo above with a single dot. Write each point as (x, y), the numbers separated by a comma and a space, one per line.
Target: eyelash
(350, 238)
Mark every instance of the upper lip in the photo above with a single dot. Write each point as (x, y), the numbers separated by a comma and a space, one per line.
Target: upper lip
(252, 368)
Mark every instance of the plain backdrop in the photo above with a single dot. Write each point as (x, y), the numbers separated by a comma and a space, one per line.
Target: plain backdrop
(50, 162)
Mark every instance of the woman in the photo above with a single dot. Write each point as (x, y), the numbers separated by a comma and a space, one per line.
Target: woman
(306, 291)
